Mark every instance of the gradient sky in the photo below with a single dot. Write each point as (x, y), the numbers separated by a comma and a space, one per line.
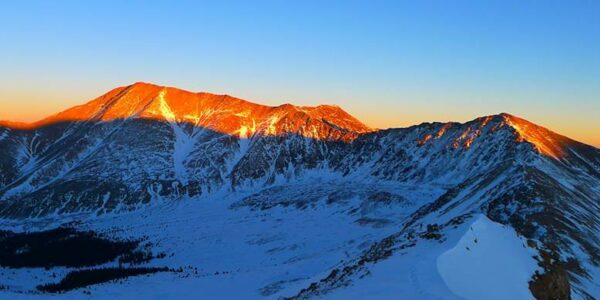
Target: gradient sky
(389, 63)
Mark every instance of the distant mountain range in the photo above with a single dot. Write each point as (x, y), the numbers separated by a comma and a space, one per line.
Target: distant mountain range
(400, 193)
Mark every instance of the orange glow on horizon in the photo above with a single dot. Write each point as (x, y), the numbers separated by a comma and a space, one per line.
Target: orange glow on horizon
(33, 108)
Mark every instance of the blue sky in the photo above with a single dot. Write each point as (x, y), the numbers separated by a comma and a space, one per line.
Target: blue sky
(390, 63)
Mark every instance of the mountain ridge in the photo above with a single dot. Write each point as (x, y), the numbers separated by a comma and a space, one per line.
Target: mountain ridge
(144, 148)
(141, 98)
(145, 106)
(262, 142)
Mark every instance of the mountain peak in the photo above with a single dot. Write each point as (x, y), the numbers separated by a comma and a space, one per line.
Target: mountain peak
(544, 140)
(221, 113)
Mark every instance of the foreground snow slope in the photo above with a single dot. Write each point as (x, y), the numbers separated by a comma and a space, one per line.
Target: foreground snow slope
(489, 261)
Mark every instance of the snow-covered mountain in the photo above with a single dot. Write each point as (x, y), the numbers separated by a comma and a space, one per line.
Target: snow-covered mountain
(142, 142)
(307, 202)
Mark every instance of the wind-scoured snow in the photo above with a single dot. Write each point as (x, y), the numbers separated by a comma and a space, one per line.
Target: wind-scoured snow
(489, 262)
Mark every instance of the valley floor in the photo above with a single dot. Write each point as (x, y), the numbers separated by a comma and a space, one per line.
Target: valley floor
(226, 248)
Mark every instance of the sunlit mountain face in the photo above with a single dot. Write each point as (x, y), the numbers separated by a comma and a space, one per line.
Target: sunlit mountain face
(202, 192)
(220, 113)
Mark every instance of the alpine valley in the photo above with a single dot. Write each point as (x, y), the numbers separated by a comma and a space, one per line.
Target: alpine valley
(152, 192)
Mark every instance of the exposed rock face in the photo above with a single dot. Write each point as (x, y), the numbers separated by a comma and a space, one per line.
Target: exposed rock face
(142, 142)
(145, 144)
(554, 282)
